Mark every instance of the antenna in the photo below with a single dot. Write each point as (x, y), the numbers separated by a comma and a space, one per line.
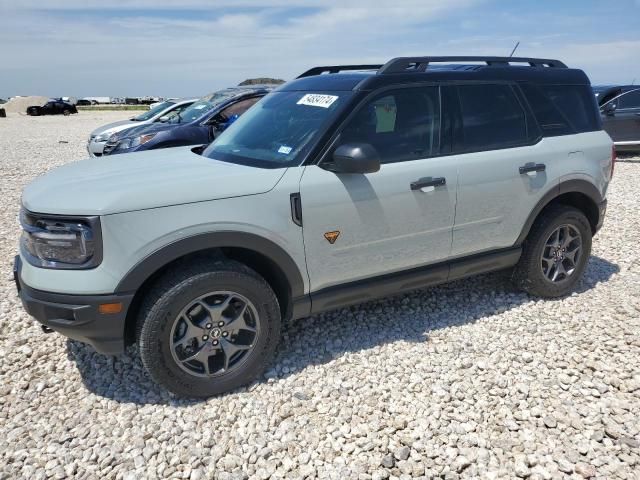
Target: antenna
(514, 49)
(634, 81)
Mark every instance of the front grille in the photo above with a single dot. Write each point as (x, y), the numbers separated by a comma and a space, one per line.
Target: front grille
(109, 147)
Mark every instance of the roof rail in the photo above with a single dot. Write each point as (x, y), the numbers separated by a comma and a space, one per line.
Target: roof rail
(420, 64)
(337, 68)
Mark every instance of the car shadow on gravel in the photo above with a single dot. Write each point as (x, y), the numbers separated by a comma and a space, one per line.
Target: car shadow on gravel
(321, 338)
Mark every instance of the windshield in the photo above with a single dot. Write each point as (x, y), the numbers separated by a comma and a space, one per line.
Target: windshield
(203, 105)
(152, 112)
(278, 130)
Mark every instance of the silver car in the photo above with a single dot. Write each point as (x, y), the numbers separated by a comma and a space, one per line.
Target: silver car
(158, 113)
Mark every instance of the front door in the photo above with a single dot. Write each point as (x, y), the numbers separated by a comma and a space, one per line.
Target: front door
(359, 226)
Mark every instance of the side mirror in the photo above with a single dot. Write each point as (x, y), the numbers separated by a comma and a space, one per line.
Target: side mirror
(356, 158)
(609, 109)
(163, 119)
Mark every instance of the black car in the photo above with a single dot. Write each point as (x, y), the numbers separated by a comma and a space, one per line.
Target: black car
(52, 107)
(620, 110)
(196, 125)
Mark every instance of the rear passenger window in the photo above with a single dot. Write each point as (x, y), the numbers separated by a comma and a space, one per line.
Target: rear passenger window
(492, 117)
(401, 124)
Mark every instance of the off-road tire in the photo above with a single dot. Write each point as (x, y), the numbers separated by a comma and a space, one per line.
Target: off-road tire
(66, 112)
(528, 274)
(172, 293)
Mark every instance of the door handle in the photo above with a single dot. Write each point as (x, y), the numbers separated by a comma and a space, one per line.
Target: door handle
(532, 167)
(428, 182)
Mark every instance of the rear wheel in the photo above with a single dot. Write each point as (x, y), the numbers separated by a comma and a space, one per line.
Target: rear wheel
(208, 328)
(555, 253)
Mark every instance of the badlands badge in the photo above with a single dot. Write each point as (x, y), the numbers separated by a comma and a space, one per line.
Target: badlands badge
(332, 236)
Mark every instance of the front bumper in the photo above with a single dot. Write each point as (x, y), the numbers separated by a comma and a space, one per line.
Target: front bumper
(77, 316)
(95, 149)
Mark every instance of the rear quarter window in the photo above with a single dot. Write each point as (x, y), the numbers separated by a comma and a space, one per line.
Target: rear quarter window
(563, 109)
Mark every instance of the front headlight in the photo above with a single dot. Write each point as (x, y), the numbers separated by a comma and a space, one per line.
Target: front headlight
(124, 144)
(50, 241)
(132, 142)
(103, 137)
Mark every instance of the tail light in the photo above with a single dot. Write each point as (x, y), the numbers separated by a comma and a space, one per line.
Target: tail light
(613, 159)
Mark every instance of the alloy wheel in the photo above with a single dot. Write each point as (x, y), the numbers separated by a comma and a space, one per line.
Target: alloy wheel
(214, 334)
(561, 254)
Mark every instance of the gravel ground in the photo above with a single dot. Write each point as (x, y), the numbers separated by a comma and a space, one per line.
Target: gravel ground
(469, 380)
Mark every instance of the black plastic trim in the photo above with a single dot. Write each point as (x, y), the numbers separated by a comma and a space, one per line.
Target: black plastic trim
(296, 208)
(165, 255)
(422, 277)
(336, 69)
(77, 316)
(570, 186)
(420, 64)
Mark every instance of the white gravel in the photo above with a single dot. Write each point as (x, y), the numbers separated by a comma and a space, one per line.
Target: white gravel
(468, 380)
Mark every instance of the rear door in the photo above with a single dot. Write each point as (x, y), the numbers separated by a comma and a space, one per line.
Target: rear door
(500, 176)
(359, 226)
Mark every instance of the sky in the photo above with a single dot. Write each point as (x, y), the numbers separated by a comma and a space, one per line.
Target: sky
(175, 48)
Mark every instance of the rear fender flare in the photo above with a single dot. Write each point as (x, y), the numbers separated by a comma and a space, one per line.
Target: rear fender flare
(570, 186)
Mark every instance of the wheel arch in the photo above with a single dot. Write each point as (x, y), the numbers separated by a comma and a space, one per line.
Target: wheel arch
(580, 194)
(264, 256)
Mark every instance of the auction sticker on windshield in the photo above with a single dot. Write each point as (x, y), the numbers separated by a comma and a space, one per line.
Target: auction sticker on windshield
(317, 100)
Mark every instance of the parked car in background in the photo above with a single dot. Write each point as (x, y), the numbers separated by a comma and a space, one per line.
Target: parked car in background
(155, 104)
(52, 107)
(197, 125)
(98, 138)
(620, 111)
(84, 102)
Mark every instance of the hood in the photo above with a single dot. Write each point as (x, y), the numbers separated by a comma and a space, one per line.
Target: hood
(113, 125)
(136, 181)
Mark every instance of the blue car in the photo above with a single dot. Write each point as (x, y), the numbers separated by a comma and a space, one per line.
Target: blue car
(196, 125)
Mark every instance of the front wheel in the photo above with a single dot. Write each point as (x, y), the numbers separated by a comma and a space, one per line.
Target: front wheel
(66, 113)
(209, 328)
(556, 252)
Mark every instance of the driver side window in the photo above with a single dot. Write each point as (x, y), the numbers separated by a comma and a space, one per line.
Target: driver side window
(402, 125)
(629, 100)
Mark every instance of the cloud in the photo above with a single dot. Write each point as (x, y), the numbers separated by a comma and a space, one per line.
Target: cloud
(164, 47)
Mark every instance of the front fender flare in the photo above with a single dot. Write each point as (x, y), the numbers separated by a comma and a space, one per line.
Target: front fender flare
(193, 244)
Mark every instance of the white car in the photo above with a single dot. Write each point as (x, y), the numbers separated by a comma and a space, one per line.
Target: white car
(99, 137)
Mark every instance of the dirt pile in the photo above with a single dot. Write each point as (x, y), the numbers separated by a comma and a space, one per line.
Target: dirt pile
(20, 104)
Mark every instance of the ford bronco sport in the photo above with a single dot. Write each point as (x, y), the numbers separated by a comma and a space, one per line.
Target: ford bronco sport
(343, 185)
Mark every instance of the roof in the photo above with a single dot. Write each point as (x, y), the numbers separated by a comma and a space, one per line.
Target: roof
(437, 69)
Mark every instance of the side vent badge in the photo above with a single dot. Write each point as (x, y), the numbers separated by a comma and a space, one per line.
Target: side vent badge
(332, 236)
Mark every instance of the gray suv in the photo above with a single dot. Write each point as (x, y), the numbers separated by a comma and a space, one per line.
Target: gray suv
(344, 185)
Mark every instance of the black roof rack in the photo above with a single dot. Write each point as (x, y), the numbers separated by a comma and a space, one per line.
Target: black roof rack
(338, 68)
(420, 64)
